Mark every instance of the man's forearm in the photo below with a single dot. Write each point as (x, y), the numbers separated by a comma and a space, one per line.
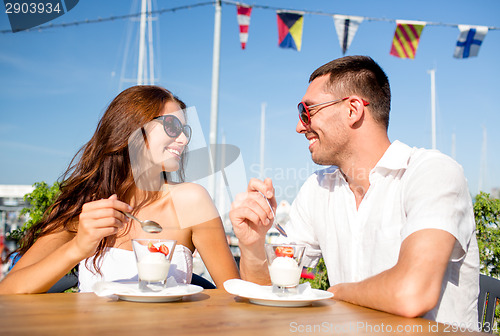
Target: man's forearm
(253, 266)
(413, 286)
(376, 292)
(389, 291)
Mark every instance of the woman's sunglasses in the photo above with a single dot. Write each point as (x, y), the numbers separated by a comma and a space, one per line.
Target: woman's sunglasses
(305, 115)
(173, 126)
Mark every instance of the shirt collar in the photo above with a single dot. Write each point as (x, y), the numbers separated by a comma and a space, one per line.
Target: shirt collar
(395, 157)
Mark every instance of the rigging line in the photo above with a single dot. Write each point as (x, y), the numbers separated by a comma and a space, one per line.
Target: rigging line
(229, 2)
(111, 18)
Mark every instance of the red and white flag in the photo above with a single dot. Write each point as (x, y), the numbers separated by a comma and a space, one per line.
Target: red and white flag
(244, 12)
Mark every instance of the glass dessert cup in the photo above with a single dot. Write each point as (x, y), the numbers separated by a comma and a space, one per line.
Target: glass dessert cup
(285, 263)
(153, 257)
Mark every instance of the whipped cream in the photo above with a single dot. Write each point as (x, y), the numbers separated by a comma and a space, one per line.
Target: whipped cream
(153, 267)
(285, 272)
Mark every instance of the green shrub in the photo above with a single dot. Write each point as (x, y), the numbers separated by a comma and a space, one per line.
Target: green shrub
(320, 280)
(487, 216)
(39, 200)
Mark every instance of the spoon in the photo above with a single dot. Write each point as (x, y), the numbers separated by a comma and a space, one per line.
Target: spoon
(275, 223)
(147, 225)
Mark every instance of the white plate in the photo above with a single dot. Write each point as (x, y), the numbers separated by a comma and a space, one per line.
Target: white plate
(167, 295)
(263, 295)
(291, 302)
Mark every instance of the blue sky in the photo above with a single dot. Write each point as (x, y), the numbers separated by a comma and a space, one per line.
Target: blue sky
(56, 83)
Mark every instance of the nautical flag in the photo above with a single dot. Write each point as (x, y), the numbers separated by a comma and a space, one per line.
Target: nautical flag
(346, 27)
(290, 29)
(244, 12)
(469, 40)
(406, 38)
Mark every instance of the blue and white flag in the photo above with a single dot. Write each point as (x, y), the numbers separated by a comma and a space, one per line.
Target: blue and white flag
(469, 40)
(346, 27)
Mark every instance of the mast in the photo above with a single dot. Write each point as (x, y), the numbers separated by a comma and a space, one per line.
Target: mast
(454, 146)
(432, 72)
(214, 107)
(145, 63)
(222, 199)
(482, 169)
(262, 138)
(150, 44)
(142, 43)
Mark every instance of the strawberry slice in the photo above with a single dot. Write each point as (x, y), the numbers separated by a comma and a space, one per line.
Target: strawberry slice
(152, 248)
(284, 251)
(163, 249)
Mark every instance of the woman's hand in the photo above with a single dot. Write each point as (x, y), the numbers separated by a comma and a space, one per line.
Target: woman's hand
(99, 219)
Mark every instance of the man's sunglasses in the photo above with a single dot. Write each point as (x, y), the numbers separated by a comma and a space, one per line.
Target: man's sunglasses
(173, 126)
(305, 115)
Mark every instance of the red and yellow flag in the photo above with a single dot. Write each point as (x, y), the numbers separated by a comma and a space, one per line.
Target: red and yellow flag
(406, 38)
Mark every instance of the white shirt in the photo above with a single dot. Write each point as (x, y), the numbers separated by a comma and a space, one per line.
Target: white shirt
(119, 264)
(410, 189)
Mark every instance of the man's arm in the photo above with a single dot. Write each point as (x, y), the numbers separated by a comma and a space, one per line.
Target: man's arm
(253, 266)
(413, 286)
(252, 218)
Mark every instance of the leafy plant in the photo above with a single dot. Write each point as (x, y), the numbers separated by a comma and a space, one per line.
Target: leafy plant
(39, 200)
(487, 216)
(320, 280)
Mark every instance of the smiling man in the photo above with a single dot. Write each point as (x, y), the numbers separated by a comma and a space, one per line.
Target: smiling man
(394, 224)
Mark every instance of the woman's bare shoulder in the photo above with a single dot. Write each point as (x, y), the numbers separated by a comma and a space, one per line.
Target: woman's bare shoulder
(190, 192)
(193, 204)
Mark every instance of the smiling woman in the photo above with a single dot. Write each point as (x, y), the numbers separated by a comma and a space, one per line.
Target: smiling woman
(125, 167)
(156, 149)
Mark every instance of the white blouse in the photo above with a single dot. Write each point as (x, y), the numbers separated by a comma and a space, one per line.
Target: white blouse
(119, 264)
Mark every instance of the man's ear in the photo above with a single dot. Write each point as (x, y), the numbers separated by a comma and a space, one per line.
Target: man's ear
(356, 112)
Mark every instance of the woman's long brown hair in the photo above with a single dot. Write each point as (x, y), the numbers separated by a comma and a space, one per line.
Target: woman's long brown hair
(102, 167)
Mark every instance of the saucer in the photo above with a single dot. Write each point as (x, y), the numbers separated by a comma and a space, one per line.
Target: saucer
(130, 292)
(263, 295)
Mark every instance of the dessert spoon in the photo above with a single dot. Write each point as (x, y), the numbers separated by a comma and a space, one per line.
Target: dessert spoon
(275, 223)
(147, 225)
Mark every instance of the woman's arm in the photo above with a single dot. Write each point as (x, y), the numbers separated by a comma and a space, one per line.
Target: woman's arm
(210, 240)
(195, 209)
(47, 261)
(54, 255)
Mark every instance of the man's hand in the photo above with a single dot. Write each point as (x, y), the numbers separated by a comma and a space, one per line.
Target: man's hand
(250, 214)
(252, 218)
